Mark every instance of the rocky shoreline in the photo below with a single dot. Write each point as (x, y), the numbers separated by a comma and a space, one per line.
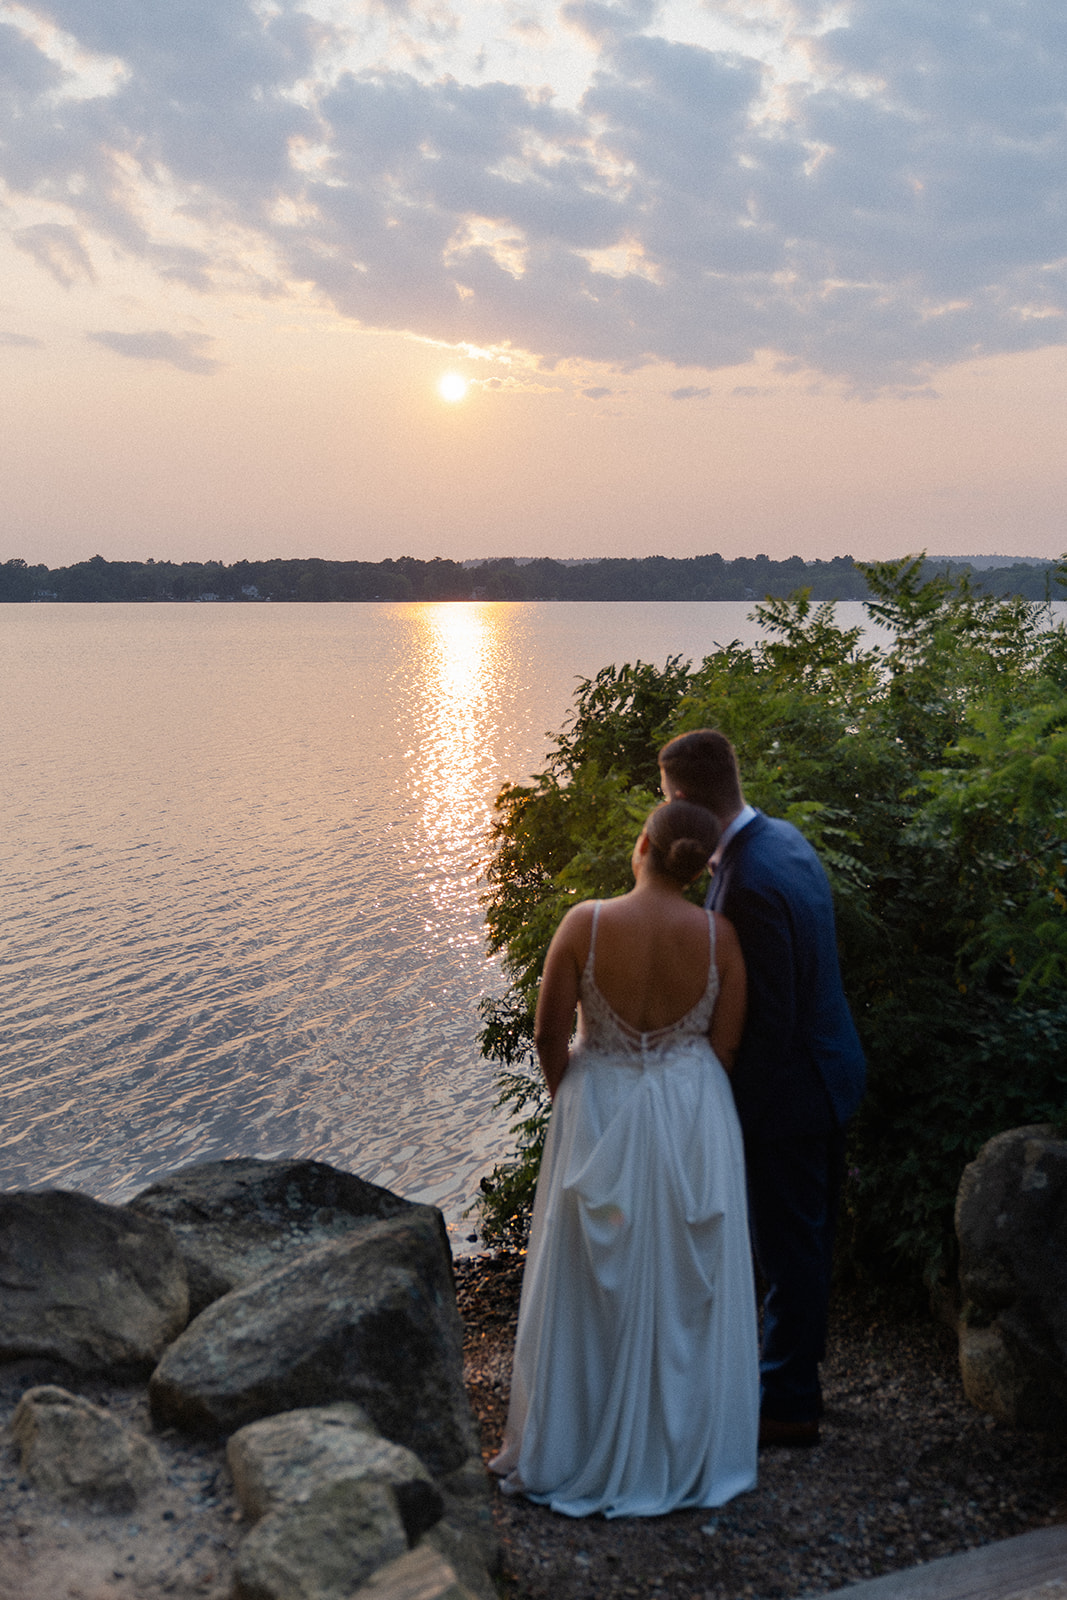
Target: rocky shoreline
(298, 1321)
(273, 1366)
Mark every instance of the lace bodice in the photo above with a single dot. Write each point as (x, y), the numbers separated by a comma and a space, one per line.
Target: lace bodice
(601, 1029)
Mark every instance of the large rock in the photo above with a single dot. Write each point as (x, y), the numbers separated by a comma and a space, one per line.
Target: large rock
(370, 1318)
(321, 1548)
(1011, 1220)
(238, 1220)
(285, 1459)
(76, 1451)
(91, 1285)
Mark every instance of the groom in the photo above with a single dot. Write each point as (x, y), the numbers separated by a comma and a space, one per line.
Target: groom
(799, 1073)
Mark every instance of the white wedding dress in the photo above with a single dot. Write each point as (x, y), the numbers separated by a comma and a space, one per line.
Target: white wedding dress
(635, 1384)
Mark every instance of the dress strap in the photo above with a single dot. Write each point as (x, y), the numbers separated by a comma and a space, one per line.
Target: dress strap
(711, 930)
(712, 968)
(713, 971)
(591, 957)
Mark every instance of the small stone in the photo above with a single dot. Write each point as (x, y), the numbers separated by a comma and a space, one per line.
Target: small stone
(77, 1451)
(421, 1574)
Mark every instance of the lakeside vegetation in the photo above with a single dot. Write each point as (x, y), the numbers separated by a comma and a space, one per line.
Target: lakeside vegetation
(930, 772)
(710, 577)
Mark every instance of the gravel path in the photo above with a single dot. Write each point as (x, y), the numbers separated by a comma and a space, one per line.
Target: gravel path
(906, 1471)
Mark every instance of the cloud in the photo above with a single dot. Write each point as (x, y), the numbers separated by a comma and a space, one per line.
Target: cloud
(896, 209)
(597, 392)
(59, 249)
(601, 22)
(181, 350)
(20, 341)
(690, 392)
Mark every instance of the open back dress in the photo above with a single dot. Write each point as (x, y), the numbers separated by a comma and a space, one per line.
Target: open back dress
(635, 1384)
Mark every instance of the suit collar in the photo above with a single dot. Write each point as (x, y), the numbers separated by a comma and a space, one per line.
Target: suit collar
(744, 818)
(746, 815)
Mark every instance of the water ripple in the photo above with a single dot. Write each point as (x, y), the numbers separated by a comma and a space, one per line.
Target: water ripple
(238, 877)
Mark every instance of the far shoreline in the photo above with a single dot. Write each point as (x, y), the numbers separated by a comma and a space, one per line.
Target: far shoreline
(629, 580)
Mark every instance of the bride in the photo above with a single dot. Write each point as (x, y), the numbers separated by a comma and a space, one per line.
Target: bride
(635, 1388)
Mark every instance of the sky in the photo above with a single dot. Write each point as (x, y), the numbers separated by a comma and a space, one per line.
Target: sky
(745, 276)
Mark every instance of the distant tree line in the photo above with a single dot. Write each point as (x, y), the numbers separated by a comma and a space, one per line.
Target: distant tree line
(649, 578)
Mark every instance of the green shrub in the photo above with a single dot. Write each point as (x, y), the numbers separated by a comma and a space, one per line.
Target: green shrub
(929, 769)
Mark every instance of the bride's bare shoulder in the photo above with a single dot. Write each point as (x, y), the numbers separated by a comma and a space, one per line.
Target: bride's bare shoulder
(580, 915)
(576, 924)
(572, 937)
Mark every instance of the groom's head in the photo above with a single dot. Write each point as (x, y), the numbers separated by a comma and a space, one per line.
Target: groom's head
(702, 767)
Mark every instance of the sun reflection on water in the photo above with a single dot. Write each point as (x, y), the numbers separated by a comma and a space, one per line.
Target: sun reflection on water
(460, 649)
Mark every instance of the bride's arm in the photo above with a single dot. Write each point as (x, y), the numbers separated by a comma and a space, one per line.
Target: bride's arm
(557, 999)
(728, 1018)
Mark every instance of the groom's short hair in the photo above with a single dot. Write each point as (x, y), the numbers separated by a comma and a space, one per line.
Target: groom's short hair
(702, 766)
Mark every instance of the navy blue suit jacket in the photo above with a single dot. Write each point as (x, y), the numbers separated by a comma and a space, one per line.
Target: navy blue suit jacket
(800, 1067)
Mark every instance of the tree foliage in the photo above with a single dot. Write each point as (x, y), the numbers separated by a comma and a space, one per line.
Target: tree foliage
(927, 763)
(310, 578)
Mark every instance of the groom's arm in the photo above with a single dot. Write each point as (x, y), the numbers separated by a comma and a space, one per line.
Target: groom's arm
(728, 1018)
(765, 930)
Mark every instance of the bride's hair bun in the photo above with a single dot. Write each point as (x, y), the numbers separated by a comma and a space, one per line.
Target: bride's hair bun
(685, 859)
(681, 837)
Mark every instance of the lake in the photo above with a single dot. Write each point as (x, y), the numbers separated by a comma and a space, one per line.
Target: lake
(240, 849)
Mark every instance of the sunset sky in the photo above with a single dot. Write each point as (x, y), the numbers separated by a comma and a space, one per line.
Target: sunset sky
(733, 275)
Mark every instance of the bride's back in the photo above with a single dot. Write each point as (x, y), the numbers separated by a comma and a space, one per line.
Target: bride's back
(651, 958)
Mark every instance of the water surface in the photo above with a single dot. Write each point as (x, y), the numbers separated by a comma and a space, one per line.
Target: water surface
(239, 858)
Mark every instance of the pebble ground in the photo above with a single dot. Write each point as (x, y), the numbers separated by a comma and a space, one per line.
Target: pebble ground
(906, 1470)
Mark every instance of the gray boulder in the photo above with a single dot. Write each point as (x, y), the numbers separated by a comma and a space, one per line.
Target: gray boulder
(238, 1220)
(321, 1548)
(94, 1286)
(288, 1458)
(1011, 1221)
(370, 1318)
(78, 1452)
(285, 1459)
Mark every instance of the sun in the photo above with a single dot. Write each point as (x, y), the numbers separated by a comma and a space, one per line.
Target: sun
(452, 387)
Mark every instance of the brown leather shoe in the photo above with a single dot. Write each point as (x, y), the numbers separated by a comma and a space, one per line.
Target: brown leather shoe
(795, 1435)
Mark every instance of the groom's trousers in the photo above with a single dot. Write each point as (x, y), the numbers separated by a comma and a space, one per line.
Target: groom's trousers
(794, 1191)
